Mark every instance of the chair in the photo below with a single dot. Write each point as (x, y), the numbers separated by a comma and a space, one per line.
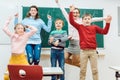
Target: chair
(25, 72)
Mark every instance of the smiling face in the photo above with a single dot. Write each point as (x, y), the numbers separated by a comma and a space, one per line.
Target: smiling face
(19, 29)
(76, 13)
(59, 24)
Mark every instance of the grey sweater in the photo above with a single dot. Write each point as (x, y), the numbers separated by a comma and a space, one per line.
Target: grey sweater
(60, 35)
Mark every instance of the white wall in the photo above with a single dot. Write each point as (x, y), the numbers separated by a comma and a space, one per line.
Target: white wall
(112, 40)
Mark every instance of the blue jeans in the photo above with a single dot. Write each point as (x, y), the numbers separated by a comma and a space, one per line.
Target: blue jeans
(33, 53)
(57, 55)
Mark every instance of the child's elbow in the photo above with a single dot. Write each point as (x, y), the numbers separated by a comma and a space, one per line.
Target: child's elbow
(105, 33)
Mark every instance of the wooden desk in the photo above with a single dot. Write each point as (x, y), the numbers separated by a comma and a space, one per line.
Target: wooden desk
(117, 70)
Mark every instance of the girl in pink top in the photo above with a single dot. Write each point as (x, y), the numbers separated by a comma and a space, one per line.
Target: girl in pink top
(18, 42)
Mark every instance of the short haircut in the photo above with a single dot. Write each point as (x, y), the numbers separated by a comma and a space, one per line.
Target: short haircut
(86, 14)
(60, 20)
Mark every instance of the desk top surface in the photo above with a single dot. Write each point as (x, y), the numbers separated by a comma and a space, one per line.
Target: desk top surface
(52, 70)
(116, 68)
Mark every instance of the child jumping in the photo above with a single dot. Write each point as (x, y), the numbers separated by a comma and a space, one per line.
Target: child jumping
(88, 44)
(72, 55)
(18, 42)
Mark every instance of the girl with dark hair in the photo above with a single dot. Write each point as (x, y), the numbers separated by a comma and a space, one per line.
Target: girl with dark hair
(33, 48)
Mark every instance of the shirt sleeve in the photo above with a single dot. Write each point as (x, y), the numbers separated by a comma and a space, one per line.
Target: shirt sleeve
(52, 43)
(103, 31)
(64, 37)
(73, 22)
(32, 31)
(7, 31)
(23, 21)
(47, 27)
(64, 12)
(97, 19)
(15, 21)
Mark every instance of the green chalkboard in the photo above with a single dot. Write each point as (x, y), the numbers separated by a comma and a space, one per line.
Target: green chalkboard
(56, 13)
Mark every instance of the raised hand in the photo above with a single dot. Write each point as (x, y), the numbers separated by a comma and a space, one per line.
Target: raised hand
(108, 19)
(49, 16)
(56, 43)
(69, 37)
(56, 1)
(51, 39)
(72, 7)
(16, 15)
(9, 20)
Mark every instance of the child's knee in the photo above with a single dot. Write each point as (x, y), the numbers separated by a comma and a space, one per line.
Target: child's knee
(6, 77)
(76, 62)
(68, 61)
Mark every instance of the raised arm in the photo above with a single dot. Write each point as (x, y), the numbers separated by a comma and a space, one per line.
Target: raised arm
(63, 10)
(16, 18)
(106, 28)
(47, 27)
(5, 28)
(97, 19)
(72, 21)
(108, 19)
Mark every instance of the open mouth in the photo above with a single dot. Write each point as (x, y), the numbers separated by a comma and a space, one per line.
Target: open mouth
(75, 16)
(87, 22)
(58, 26)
